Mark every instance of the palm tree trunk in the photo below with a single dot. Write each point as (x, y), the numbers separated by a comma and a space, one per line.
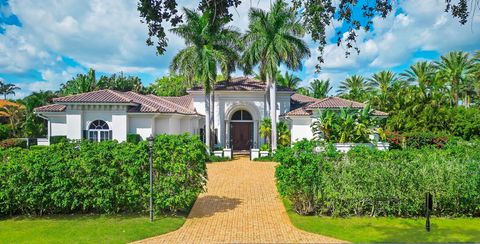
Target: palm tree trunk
(273, 112)
(212, 116)
(207, 120)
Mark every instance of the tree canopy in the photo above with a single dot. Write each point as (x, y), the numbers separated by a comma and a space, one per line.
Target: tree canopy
(315, 15)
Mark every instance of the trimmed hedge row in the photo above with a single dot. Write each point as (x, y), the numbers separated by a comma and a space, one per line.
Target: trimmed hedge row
(105, 177)
(366, 181)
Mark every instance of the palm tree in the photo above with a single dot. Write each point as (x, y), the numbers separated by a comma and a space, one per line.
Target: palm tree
(210, 44)
(265, 129)
(320, 88)
(284, 135)
(274, 38)
(288, 80)
(7, 89)
(383, 82)
(304, 91)
(354, 87)
(455, 68)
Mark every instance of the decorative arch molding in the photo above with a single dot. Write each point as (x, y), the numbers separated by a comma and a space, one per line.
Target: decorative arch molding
(247, 106)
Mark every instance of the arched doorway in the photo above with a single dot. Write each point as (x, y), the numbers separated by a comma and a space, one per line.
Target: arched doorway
(241, 130)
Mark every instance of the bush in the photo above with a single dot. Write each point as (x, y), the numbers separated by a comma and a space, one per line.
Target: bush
(419, 140)
(58, 139)
(13, 142)
(214, 158)
(265, 159)
(5, 131)
(134, 138)
(104, 177)
(367, 181)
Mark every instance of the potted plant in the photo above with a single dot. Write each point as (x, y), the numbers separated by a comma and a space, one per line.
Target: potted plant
(264, 150)
(218, 150)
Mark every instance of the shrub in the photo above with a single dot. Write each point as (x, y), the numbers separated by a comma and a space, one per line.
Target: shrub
(134, 138)
(104, 177)
(5, 131)
(265, 159)
(58, 139)
(419, 140)
(367, 181)
(13, 142)
(214, 158)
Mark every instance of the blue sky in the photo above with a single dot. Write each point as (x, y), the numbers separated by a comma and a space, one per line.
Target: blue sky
(45, 43)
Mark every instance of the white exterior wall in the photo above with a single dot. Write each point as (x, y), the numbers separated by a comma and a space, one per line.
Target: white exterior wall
(115, 116)
(58, 125)
(300, 128)
(162, 126)
(140, 124)
(74, 119)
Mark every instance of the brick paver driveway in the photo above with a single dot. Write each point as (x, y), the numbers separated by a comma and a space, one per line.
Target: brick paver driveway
(241, 205)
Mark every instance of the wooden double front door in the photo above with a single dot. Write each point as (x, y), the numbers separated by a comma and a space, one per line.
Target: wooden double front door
(241, 135)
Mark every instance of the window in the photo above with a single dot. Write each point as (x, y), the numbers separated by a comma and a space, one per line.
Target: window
(242, 115)
(98, 130)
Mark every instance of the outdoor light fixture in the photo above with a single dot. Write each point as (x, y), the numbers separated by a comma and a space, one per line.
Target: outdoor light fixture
(429, 208)
(150, 146)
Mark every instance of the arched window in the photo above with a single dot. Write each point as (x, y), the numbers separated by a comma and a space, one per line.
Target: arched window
(242, 115)
(98, 130)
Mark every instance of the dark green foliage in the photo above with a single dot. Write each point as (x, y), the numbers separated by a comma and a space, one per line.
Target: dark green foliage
(419, 140)
(134, 138)
(218, 159)
(13, 142)
(366, 181)
(171, 86)
(105, 177)
(5, 132)
(58, 139)
(265, 159)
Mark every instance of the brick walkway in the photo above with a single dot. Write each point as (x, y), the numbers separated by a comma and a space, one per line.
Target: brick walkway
(241, 205)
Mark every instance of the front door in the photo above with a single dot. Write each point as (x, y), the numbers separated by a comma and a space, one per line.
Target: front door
(241, 135)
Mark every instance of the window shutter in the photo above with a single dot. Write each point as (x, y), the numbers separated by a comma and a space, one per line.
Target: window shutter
(85, 134)
(110, 135)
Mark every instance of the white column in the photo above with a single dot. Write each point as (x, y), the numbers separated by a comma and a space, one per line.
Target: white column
(227, 133)
(255, 134)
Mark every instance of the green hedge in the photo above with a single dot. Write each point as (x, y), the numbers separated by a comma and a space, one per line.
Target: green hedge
(105, 177)
(134, 138)
(5, 131)
(58, 139)
(13, 142)
(419, 140)
(366, 181)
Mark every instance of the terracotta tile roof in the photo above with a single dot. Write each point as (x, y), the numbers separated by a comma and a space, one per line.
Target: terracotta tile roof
(241, 84)
(102, 96)
(303, 105)
(51, 108)
(303, 99)
(138, 103)
(335, 102)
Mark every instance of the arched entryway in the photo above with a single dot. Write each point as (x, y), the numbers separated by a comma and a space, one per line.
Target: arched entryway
(241, 130)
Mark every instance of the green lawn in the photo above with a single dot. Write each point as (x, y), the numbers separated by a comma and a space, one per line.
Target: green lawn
(367, 229)
(84, 229)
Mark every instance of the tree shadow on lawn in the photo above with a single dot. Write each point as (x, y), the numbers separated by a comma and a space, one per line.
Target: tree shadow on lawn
(207, 206)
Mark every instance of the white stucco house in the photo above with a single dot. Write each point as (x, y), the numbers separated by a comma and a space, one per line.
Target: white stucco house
(240, 105)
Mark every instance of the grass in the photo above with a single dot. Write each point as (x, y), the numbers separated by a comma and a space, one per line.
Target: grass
(84, 228)
(368, 229)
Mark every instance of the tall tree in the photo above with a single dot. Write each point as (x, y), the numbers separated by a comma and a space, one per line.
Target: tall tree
(274, 38)
(382, 82)
(455, 68)
(288, 80)
(7, 89)
(210, 44)
(80, 84)
(420, 74)
(320, 88)
(354, 87)
(171, 85)
(34, 126)
(316, 16)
